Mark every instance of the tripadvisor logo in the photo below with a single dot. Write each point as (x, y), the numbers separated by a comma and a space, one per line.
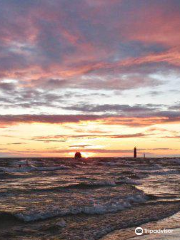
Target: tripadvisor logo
(139, 231)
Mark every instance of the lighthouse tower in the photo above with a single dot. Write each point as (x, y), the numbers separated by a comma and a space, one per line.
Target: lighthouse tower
(135, 152)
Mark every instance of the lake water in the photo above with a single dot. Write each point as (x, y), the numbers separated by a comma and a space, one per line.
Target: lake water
(58, 198)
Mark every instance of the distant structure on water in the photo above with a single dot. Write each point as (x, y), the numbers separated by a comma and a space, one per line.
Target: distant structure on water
(77, 155)
(135, 152)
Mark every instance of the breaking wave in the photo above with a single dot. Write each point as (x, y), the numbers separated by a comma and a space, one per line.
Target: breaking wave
(94, 209)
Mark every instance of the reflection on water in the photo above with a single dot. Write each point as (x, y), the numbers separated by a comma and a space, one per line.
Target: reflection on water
(163, 185)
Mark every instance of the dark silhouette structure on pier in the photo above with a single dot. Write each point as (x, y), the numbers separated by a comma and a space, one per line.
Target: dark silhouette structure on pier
(135, 152)
(77, 155)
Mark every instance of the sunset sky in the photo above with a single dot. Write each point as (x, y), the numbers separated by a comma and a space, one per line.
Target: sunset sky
(97, 76)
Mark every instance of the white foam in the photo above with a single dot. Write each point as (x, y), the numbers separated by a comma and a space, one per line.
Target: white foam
(95, 208)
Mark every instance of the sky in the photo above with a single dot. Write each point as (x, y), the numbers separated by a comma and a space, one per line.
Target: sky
(95, 76)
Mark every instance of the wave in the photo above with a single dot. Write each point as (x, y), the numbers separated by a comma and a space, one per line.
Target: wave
(151, 172)
(82, 185)
(128, 181)
(109, 163)
(52, 168)
(103, 183)
(176, 161)
(32, 168)
(166, 172)
(85, 185)
(94, 209)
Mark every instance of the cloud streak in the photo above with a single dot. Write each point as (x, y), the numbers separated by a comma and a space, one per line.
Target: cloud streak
(100, 64)
(143, 120)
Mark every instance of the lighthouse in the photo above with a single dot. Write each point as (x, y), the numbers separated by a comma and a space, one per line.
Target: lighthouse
(77, 155)
(135, 152)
